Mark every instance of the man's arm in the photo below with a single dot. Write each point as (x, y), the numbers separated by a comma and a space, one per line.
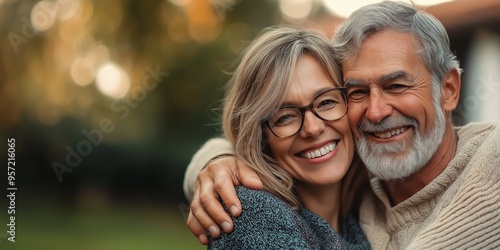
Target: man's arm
(212, 149)
(209, 180)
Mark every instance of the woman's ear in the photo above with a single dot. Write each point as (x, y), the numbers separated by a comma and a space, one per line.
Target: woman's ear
(450, 90)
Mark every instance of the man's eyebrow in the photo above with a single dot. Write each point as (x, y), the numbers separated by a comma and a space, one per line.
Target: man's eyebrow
(402, 75)
(394, 76)
(353, 83)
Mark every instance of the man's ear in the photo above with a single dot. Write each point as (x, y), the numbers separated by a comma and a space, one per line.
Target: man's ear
(450, 90)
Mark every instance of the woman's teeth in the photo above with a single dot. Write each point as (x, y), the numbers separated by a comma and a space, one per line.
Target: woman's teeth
(320, 152)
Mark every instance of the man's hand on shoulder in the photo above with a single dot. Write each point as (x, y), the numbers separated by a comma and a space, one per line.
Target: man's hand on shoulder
(216, 182)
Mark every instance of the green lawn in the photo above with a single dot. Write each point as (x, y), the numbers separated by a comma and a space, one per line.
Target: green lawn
(120, 228)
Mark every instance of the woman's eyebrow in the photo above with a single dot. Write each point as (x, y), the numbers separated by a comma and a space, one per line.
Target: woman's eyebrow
(319, 91)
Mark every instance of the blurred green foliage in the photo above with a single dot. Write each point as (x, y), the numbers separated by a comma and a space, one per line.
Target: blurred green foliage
(124, 193)
(194, 42)
(120, 228)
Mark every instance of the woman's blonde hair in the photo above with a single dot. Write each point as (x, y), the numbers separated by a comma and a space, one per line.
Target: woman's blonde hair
(258, 87)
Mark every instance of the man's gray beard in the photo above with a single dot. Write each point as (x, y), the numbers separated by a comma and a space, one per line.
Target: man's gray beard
(388, 161)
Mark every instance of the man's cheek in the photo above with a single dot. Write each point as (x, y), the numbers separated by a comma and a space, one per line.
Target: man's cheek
(353, 120)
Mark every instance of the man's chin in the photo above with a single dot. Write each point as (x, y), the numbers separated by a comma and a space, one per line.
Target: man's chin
(391, 168)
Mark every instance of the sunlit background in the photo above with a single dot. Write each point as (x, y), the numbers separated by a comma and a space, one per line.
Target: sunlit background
(108, 100)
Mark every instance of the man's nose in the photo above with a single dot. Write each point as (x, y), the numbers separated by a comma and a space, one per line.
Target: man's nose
(378, 107)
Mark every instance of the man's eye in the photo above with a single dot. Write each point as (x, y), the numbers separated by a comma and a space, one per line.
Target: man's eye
(396, 88)
(357, 94)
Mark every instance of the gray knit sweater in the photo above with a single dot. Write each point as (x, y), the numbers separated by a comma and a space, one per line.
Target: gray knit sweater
(267, 222)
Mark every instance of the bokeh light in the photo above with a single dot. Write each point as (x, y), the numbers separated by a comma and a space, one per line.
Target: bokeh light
(68, 9)
(100, 55)
(82, 71)
(296, 10)
(203, 25)
(345, 8)
(43, 15)
(180, 3)
(112, 81)
(429, 2)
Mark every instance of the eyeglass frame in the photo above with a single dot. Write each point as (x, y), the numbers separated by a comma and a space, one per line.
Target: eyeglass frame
(310, 106)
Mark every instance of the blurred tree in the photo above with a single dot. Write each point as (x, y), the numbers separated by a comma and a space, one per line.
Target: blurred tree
(68, 66)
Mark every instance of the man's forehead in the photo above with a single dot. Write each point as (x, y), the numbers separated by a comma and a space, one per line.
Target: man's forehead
(383, 41)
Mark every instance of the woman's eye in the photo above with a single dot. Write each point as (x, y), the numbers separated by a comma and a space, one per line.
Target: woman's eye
(285, 119)
(326, 104)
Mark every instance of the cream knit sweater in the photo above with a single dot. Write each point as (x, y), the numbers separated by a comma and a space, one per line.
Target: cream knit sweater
(460, 209)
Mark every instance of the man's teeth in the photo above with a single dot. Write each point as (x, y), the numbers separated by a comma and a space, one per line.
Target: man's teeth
(320, 152)
(388, 134)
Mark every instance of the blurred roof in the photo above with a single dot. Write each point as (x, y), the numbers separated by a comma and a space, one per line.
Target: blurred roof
(456, 15)
(466, 13)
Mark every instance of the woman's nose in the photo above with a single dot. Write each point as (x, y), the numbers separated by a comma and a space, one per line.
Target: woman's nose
(313, 126)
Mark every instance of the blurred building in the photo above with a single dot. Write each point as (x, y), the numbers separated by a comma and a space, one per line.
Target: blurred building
(474, 29)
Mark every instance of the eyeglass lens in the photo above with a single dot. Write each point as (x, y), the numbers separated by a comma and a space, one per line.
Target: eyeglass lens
(329, 106)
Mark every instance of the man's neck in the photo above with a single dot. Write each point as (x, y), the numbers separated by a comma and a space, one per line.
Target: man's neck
(400, 190)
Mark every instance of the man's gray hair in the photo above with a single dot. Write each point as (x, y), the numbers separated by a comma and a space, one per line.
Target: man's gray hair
(402, 17)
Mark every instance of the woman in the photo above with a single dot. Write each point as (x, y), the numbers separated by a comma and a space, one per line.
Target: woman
(284, 114)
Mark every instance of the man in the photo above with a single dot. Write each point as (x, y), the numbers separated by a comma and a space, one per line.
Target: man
(435, 186)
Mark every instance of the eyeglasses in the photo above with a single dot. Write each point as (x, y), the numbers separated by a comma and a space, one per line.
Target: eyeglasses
(329, 105)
